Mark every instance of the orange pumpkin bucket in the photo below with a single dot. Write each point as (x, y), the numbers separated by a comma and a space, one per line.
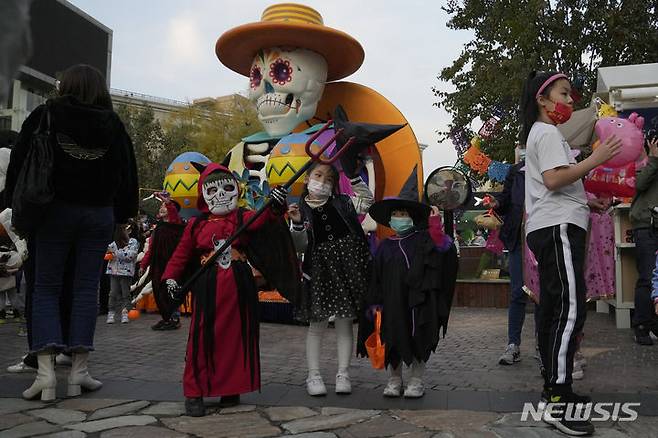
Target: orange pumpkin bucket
(374, 347)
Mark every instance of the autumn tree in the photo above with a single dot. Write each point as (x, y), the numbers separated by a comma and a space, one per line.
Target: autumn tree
(154, 149)
(213, 126)
(511, 38)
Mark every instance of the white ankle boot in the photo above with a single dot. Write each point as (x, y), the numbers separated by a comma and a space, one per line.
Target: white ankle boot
(46, 381)
(79, 377)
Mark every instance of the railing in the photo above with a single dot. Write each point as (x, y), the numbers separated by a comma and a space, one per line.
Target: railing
(148, 98)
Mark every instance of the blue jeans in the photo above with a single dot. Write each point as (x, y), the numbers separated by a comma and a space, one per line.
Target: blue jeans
(646, 245)
(518, 299)
(84, 232)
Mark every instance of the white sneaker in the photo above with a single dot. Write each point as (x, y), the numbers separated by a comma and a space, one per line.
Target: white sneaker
(62, 359)
(124, 317)
(415, 388)
(110, 318)
(315, 386)
(21, 367)
(393, 387)
(343, 385)
(578, 373)
(579, 360)
(511, 355)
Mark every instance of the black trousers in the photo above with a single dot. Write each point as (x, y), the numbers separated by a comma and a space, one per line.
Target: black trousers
(646, 245)
(560, 253)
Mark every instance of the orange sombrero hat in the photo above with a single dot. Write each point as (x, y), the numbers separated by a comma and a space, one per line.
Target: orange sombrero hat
(290, 25)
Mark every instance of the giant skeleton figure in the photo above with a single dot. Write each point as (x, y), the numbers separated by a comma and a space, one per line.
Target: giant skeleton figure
(294, 64)
(288, 56)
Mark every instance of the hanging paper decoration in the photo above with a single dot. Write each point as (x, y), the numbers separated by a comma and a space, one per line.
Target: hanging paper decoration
(498, 171)
(473, 156)
(487, 130)
(477, 160)
(459, 139)
(498, 112)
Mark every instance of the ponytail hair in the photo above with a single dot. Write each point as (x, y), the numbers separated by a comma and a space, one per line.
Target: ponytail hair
(529, 107)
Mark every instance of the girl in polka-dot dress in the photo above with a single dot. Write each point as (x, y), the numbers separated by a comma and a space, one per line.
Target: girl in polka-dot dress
(335, 268)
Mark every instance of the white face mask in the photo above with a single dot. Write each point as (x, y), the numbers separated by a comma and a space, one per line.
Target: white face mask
(221, 196)
(319, 189)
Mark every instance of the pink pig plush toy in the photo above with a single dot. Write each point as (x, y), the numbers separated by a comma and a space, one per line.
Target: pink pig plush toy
(629, 131)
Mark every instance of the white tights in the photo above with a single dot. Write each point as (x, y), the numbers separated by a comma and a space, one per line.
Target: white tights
(417, 370)
(344, 342)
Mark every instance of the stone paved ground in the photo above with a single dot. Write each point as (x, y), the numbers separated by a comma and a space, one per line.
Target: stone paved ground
(108, 418)
(141, 366)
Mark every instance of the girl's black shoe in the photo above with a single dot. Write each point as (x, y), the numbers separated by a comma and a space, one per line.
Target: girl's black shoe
(194, 407)
(229, 401)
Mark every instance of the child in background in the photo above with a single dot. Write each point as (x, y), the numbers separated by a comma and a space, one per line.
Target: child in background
(121, 269)
(556, 230)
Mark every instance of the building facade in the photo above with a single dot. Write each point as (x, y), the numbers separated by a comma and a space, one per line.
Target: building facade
(62, 36)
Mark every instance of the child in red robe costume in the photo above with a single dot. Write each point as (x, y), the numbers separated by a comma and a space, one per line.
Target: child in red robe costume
(222, 356)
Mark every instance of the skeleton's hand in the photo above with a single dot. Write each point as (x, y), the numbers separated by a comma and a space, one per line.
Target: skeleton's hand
(278, 196)
(173, 289)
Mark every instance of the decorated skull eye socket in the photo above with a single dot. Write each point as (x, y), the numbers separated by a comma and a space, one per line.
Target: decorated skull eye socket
(280, 71)
(229, 187)
(255, 76)
(211, 190)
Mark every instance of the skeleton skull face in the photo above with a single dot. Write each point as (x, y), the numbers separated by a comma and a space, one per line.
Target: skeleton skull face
(286, 85)
(220, 191)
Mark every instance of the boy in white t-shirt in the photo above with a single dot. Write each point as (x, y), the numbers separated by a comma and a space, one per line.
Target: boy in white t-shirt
(556, 228)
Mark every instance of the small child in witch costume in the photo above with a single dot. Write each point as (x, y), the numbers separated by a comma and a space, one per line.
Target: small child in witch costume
(222, 356)
(413, 281)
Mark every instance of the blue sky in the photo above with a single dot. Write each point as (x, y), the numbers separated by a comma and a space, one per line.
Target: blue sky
(166, 48)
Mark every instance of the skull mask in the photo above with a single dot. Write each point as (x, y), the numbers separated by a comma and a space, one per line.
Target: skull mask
(220, 191)
(286, 85)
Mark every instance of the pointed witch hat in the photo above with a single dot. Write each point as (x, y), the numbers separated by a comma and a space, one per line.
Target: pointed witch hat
(365, 135)
(408, 200)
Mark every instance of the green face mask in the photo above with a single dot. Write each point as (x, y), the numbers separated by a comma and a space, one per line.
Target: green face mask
(401, 224)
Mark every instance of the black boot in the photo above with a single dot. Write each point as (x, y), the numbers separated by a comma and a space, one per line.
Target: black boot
(229, 401)
(194, 407)
(642, 336)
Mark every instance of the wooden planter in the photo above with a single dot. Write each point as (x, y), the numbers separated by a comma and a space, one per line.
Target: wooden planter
(481, 293)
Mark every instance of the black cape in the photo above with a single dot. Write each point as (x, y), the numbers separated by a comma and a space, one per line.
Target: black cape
(415, 285)
(163, 244)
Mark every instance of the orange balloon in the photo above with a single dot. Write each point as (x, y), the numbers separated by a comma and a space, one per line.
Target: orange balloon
(133, 314)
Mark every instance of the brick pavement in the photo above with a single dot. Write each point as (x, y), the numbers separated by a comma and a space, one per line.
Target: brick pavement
(466, 363)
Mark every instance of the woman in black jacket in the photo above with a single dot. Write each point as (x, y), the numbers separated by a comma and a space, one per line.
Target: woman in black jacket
(95, 185)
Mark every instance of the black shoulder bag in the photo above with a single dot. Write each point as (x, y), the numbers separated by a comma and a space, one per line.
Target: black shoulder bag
(34, 188)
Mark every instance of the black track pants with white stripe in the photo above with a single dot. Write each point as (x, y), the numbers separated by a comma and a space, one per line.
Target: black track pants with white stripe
(560, 252)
